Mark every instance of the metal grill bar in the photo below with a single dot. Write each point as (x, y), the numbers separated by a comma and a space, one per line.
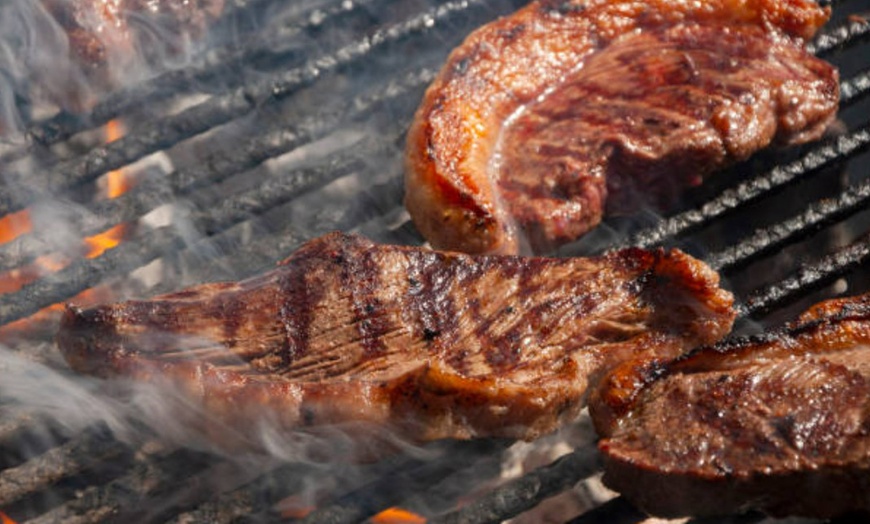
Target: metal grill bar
(807, 279)
(841, 149)
(155, 469)
(415, 477)
(840, 37)
(529, 490)
(216, 475)
(149, 138)
(278, 191)
(367, 212)
(271, 143)
(215, 61)
(218, 63)
(855, 88)
(12, 427)
(158, 135)
(83, 273)
(93, 447)
(239, 504)
(769, 239)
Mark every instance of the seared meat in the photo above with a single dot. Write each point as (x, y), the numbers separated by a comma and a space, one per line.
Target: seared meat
(431, 344)
(780, 424)
(541, 120)
(67, 53)
(100, 29)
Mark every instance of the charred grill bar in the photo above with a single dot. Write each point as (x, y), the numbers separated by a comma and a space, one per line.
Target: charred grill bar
(157, 135)
(314, 85)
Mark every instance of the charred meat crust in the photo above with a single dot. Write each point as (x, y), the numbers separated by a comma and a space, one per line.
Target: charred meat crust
(430, 344)
(779, 423)
(488, 157)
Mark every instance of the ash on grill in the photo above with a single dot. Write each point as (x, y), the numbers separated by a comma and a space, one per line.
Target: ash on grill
(282, 123)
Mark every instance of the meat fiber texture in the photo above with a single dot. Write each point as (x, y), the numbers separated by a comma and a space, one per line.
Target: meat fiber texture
(779, 424)
(418, 343)
(543, 121)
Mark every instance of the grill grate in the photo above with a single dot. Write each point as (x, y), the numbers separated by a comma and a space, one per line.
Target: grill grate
(161, 134)
(219, 64)
(730, 200)
(328, 105)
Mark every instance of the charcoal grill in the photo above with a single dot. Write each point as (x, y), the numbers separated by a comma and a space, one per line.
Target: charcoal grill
(286, 129)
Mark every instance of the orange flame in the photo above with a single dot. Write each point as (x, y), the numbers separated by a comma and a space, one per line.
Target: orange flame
(116, 185)
(46, 318)
(108, 239)
(296, 512)
(397, 516)
(14, 225)
(298, 507)
(13, 280)
(4, 519)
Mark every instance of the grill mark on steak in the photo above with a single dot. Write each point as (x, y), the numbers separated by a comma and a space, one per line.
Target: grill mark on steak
(430, 344)
(778, 423)
(295, 315)
(493, 331)
(543, 120)
(647, 118)
(360, 275)
(432, 302)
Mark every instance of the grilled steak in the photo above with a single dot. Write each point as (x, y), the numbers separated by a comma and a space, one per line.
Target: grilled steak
(542, 121)
(432, 344)
(107, 32)
(66, 53)
(780, 424)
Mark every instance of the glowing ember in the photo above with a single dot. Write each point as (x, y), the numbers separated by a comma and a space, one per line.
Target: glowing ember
(397, 516)
(19, 223)
(17, 278)
(296, 512)
(47, 316)
(116, 185)
(108, 239)
(14, 225)
(4, 519)
(51, 263)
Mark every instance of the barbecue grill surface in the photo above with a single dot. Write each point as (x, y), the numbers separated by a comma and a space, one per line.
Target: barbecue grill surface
(287, 122)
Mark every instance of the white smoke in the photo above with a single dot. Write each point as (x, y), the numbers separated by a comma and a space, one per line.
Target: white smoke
(64, 54)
